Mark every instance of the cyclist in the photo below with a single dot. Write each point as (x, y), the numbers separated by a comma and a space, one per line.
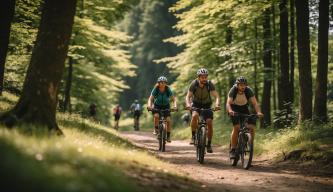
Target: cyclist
(160, 97)
(239, 97)
(199, 93)
(136, 111)
(116, 113)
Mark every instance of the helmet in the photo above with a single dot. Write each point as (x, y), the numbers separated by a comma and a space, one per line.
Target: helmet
(241, 79)
(136, 101)
(162, 79)
(202, 71)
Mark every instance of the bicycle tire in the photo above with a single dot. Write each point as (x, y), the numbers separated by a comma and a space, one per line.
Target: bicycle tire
(197, 143)
(202, 146)
(159, 136)
(163, 138)
(247, 151)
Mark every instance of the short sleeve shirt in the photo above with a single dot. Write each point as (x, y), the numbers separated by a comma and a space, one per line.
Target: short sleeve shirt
(162, 98)
(201, 94)
(240, 99)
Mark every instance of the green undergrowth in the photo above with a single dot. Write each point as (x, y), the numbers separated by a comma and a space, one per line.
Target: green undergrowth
(90, 157)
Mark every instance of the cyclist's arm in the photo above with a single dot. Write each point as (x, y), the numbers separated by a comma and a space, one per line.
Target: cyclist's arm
(150, 101)
(228, 105)
(174, 100)
(255, 104)
(188, 98)
(217, 98)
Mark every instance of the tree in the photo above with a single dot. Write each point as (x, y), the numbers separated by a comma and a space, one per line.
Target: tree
(7, 9)
(320, 102)
(37, 104)
(292, 48)
(267, 59)
(304, 59)
(284, 88)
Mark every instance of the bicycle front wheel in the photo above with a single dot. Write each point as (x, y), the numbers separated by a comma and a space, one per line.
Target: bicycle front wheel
(201, 147)
(246, 150)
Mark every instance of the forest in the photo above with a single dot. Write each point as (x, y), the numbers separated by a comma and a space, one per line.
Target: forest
(58, 58)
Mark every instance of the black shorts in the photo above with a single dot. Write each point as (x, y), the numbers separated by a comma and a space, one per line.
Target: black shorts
(166, 113)
(241, 109)
(116, 117)
(207, 114)
(137, 114)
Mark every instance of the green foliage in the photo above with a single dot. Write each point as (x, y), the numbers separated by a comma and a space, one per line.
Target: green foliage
(22, 36)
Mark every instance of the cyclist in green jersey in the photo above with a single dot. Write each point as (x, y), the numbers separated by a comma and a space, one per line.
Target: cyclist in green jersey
(160, 98)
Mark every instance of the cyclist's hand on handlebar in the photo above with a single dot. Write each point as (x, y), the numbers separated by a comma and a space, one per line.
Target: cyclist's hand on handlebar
(175, 109)
(232, 113)
(187, 107)
(260, 114)
(149, 108)
(217, 108)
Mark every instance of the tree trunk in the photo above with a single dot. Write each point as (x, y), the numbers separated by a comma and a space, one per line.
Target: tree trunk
(267, 59)
(320, 102)
(37, 104)
(304, 59)
(7, 9)
(67, 96)
(292, 48)
(284, 56)
(275, 60)
(255, 58)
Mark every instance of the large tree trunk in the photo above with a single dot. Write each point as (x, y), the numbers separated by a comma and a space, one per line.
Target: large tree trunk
(292, 48)
(304, 59)
(255, 58)
(267, 59)
(320, 102)
(284, 88)
(37, 104)
(7, 9)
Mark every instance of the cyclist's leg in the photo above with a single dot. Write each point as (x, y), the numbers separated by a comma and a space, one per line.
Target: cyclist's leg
(156, 118)
(168, 122)
(234, 135)
(194, 124)
(252, 125)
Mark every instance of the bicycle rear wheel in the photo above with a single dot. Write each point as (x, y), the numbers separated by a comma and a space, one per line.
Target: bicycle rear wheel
(247, 151)
(201, 145)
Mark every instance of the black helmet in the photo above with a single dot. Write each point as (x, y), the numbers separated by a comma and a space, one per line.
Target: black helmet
(241, 79)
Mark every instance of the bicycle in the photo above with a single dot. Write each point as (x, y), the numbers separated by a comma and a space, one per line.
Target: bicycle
(162, 132)
(201, 135)
(244, 148)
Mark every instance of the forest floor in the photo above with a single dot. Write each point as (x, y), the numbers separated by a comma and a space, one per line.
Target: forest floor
(216, 174)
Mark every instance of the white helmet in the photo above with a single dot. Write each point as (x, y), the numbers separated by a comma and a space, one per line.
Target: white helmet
(202, 71)
(162, 79)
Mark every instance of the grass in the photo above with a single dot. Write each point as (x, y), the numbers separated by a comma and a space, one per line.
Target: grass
(90, 157)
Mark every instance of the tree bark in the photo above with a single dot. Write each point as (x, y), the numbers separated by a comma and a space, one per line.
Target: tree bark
(37, 104)
(284, 56)
(292, 48)
(267, 60)
(320, 102)
(275, 60)
(7, 9)
(255, 58)
(304, 59)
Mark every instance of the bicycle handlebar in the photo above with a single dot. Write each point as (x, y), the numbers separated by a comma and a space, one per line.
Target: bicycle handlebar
(204, 109)
(245, 115)
(162, 110)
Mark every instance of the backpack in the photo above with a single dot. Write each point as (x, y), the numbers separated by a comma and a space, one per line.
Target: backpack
(137, 107)
(118, 110)
(246, 91)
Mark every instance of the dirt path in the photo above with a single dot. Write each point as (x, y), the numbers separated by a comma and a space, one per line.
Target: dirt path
(217, 175)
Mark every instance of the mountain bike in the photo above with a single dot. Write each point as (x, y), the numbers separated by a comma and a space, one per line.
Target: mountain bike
(162, 126)
(244, 148)
(200, 139)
